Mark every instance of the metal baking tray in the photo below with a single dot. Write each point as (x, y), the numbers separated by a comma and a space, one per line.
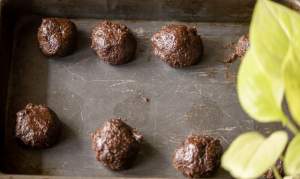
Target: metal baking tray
(85, 92)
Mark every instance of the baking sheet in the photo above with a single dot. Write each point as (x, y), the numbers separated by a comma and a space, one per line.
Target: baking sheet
(85, 92)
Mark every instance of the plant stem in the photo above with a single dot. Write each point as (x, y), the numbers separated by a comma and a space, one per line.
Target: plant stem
(276, 173)
(292, 127)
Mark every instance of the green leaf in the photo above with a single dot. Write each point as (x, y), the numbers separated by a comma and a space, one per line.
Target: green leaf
(255, 91)
(292, 157)
(291, 75)
(291, 177)
(251, 154)
(274, 29)
(274, 35)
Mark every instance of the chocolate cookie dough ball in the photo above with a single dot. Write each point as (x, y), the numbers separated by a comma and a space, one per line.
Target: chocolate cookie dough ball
(57, 36)
(37, 126)
(113, 43)
(270, 175)
(116, 144)
(178, 45)
(242, 46)
(240, 49)
(198, 156)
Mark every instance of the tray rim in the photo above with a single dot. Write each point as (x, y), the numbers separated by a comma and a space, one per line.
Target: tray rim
(67, 177)
(294, 3)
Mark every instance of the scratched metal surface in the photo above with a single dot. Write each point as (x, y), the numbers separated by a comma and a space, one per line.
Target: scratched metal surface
(85, 92)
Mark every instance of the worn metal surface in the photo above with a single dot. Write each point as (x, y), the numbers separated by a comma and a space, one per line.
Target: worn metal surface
(85, 92)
